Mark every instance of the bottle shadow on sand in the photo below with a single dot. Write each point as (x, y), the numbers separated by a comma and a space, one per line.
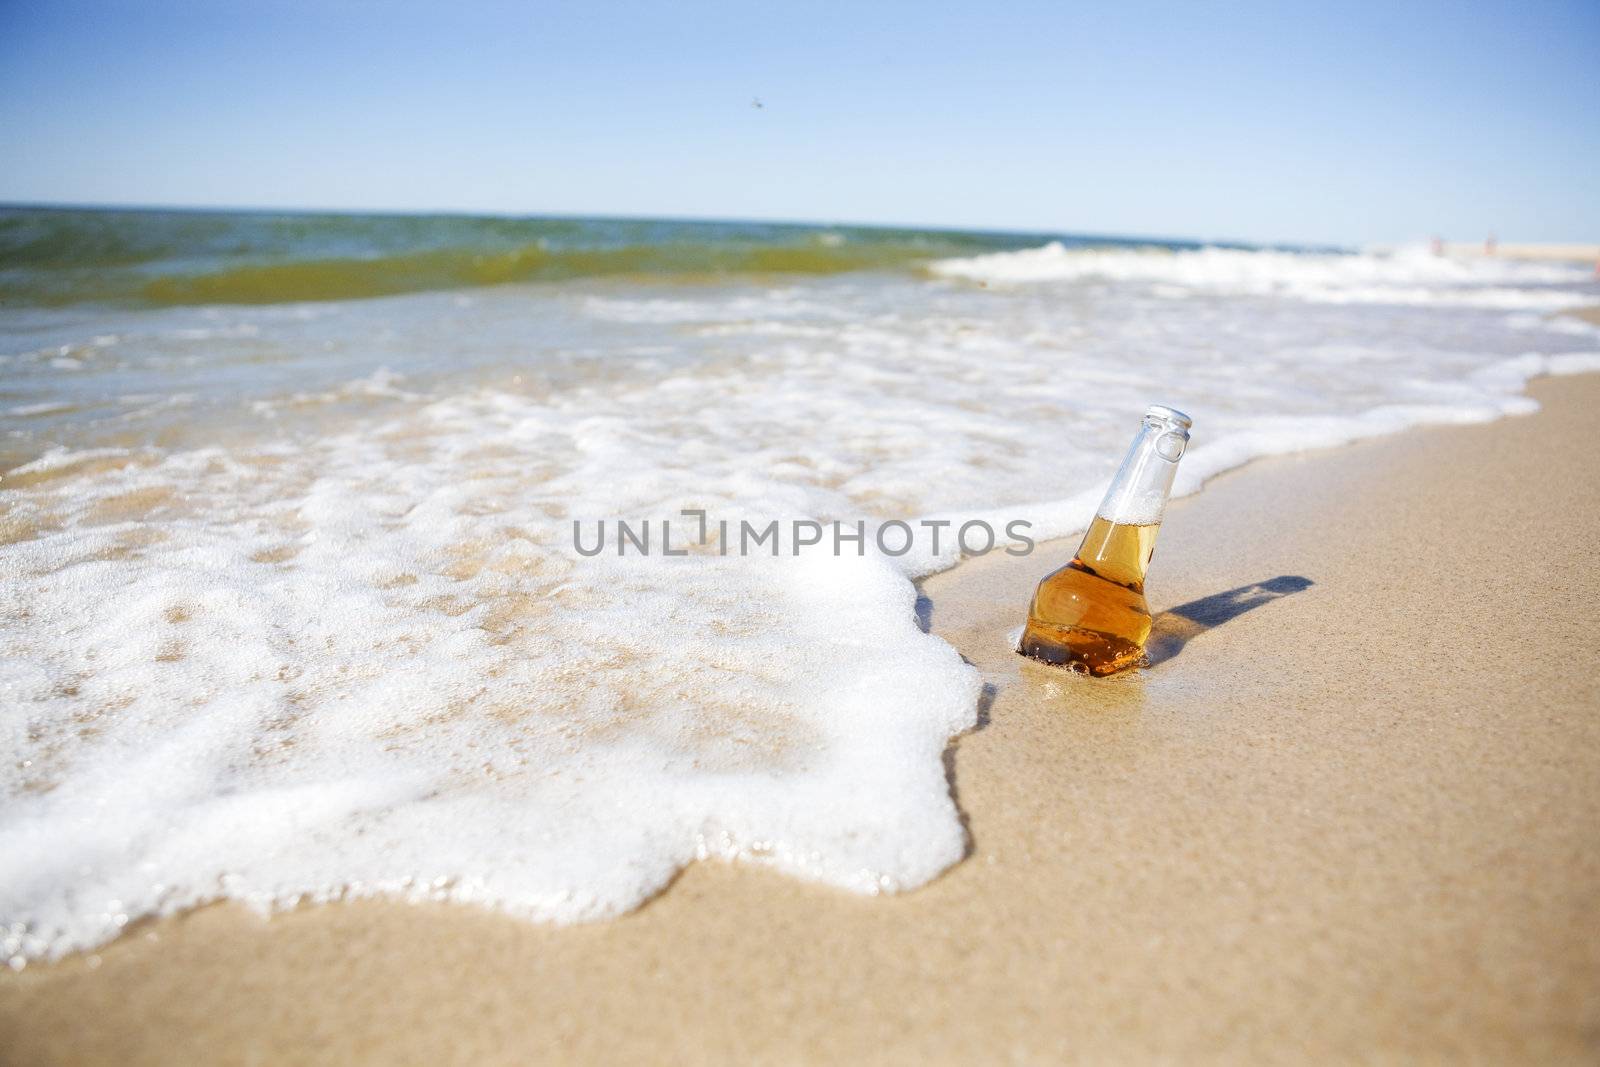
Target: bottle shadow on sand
(1176, 627)
(1169, 632)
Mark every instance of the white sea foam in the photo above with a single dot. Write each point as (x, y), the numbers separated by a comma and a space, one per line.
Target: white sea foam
(766, 308)
(1406, 276)
(49, 407)
(331, 637)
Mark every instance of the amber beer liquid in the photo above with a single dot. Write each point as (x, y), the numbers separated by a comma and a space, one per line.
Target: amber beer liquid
(1091, 614)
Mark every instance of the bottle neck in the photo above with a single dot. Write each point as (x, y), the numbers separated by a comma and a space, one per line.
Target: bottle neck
(1139, 492)
(1118, 544)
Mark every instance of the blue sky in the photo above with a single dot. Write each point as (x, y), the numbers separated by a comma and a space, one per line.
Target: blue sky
(1337, 122)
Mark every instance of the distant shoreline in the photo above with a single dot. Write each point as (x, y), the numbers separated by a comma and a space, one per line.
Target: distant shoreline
(1546, 253)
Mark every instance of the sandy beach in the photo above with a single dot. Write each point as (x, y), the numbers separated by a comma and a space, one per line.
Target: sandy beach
(516, 526)
(1347, 815)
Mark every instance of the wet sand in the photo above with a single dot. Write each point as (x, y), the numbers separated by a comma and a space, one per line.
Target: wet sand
(1350, 814)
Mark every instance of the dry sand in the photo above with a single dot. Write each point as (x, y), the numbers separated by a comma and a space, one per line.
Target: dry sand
(1357, 820)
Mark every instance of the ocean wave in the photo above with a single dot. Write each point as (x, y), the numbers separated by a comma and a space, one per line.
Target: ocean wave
(347, 279)
(358, 278)
(1407, 276)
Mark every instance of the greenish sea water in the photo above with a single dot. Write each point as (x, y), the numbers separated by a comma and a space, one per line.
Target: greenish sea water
(59, 256)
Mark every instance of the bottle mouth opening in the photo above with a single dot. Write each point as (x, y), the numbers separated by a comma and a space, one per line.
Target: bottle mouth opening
(1170, 417)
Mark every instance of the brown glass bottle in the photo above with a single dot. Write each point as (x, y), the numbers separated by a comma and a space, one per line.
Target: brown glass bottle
(1091, 614)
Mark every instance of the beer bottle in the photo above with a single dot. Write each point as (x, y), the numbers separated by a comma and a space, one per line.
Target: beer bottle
(1091, 614)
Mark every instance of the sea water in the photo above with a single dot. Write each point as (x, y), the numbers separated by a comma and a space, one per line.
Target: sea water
(290, 608)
